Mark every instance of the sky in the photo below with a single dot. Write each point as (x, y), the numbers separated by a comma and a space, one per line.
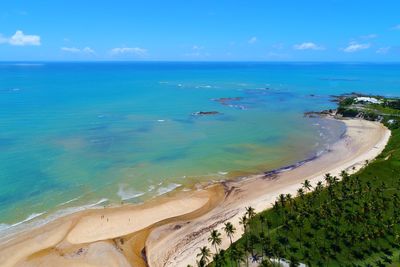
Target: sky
(200, 30)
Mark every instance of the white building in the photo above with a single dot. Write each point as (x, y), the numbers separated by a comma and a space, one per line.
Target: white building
(367, 99)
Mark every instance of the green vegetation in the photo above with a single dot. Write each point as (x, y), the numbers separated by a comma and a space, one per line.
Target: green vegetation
(352, 222)
(388, 111)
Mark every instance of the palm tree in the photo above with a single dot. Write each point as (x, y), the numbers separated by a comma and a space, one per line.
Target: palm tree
(300, 224)
(267, 247)
(319, 187)
(282, 200)
(300, 192)
(250, 212)
(215, 239)
(275, 205)
(201, 263)
(236, 254)
(335, 180)
(344, 175)
(229, 230)
(289, 200)
(204, 256)
(262, 221)
(283, 240)
(307, 185)
(243, 221)
(328, 179)
(269, 225)
(253, 240)
(219, 259)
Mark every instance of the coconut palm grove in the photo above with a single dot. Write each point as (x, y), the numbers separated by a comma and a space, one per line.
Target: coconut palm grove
(351, 220)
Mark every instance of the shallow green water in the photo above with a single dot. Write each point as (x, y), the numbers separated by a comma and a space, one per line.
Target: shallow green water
(77, 134)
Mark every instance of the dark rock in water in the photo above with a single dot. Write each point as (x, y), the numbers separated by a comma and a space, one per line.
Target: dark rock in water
(205, 113)
(227, 100)
(323, 113)
(233, 102)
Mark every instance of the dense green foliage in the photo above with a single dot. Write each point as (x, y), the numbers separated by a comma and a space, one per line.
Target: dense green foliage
(352, 222)
(348, 112)
(394, 104)
(387, 110)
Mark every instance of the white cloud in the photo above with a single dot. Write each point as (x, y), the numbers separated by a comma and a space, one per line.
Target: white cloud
(369, 36)
(129, 50)
(20, 39)
(196, 54)
(252, 40)
(197, 47)
(307, 46)
(70, 49)
(197, 51)
(383, 50)
(354, 47)
(85, 50)
(88, 50)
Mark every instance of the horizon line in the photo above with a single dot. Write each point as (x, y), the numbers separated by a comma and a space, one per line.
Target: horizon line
(196, 61)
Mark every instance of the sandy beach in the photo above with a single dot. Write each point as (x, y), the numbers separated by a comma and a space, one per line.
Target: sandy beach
(168, 230)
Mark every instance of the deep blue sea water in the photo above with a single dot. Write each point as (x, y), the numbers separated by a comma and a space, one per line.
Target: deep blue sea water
(77, 134)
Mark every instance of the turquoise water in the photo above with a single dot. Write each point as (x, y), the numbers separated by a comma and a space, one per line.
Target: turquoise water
(77, 134)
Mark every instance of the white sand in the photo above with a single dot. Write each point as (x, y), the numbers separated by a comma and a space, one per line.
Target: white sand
(364, 140)
(173, 227)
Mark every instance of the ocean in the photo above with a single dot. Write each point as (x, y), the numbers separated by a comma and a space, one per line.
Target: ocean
(77, 135)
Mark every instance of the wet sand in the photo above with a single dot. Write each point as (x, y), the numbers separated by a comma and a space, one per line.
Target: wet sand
(167, 231)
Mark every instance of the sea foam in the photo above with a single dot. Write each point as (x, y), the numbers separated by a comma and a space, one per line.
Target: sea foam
(7, 230)
(168, 188)
(68, 201)
(5, 226)
(126, 193)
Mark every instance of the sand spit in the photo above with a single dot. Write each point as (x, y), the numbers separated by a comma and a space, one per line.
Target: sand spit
(168, 230)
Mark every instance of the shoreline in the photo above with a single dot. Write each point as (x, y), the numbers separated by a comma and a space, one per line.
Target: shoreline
(364, 140)
(172, 227)
(35, 220)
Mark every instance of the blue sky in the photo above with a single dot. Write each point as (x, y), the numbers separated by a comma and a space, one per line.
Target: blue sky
(206, 30)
